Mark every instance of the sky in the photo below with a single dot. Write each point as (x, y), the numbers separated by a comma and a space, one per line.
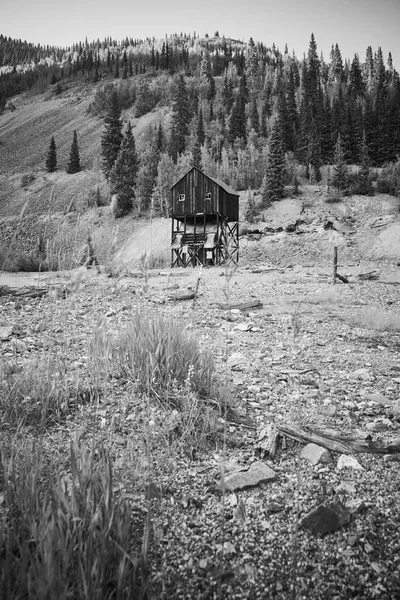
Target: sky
(352, 24)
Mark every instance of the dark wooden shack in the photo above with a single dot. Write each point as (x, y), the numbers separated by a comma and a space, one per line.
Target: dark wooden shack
(205, 221)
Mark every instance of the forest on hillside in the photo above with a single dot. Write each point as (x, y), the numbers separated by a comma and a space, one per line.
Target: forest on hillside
(230, 103)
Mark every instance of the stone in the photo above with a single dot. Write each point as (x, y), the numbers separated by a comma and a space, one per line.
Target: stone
(379, 425)
(315, 454)
(378, 398)
(326, 518)
(237, 361)
(391, 458)
(361, 375)
(348, 462)
(259, 472)
(18, 346)
(5, 332)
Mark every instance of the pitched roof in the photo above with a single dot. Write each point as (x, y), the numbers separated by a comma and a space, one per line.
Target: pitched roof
(219, 182)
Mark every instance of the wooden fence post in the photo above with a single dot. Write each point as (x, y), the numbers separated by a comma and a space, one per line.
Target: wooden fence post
(335, 259)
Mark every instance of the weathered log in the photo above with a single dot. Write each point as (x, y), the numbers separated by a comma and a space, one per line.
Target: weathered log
(249, 305)
(369, 275)
(23, 292)
(339, 442)
(267, 441)
(178, 297)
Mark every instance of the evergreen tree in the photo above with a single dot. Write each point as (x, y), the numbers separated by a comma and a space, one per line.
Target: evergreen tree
(200, 128)
(339, 175)
(196, 154)
(273, 182)
(180, 117)
(123, 174)
(111, 136)
(254, 116)
(51, 160)
(250, 211)
(74, 165)
(237, 123)
(364, 180)
(227, 93)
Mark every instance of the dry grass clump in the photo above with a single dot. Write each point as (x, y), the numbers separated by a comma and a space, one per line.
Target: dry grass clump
(376, 319)
(64, 536)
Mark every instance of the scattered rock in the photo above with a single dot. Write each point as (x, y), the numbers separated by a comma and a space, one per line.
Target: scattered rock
(378, 398)
(348, 462)
(258, 473)
(153, 491)
(18, 346)
(379, 425)
(326, 518)
(391, 458)
(6, 332)
(315, 454)
(361, 375)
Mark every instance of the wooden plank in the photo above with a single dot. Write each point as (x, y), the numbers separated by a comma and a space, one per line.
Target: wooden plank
(250, 304)
(339, 442)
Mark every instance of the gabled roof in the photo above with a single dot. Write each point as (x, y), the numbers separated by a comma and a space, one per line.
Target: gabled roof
(219, 182)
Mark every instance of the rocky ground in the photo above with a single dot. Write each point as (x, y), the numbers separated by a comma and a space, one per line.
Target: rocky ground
(305, 523)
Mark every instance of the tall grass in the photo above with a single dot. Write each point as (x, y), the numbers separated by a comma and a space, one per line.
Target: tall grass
(64, 536)
(155, 353)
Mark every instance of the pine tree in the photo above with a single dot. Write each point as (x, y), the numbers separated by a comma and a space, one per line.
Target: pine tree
(123, 174)
(180, 117)
(111, 136)
(273, 182)
(339, 176)
(74, 165)
(254, 116)
(250, 211)
(51, 160)
(364, 181)
(200, 128)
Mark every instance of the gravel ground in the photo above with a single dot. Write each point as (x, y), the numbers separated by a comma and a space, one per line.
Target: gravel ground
(294, 360)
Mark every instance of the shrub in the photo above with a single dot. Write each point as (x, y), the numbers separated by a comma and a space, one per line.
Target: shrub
(27, 179)
(15, 262)
(333, 197)
(389, 180)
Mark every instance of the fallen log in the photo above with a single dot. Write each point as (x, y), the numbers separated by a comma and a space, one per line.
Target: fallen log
(179, 297)
(23, 292)
(249, 305)
(368, 276)
(339, 442)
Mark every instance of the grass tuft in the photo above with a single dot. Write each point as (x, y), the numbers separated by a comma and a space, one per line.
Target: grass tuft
(64, 536)
(155, 353)
(376, 319)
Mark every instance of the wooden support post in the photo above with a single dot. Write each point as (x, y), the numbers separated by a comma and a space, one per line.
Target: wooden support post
(335, 260)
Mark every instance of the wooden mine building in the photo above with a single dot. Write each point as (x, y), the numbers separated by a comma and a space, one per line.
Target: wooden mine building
(205, 221)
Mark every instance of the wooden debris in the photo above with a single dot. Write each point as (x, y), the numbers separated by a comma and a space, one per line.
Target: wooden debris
(342, 278)
(339, 442)
(336, 275)
(369, 276)
(267, 441)
(23, 292)
(249, 305)
(179, 297)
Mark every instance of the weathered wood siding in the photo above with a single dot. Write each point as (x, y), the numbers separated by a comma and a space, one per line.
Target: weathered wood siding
(195, 185)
